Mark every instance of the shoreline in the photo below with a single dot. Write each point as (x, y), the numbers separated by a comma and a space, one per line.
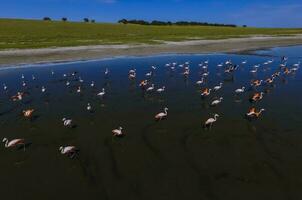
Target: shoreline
(83, 53)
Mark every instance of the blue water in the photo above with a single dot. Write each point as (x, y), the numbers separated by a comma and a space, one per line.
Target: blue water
(176, 158)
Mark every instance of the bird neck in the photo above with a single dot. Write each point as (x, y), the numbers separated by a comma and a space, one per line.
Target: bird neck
(6, 143)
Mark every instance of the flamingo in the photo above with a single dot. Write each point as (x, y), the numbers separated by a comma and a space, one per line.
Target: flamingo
(81, 80)
(162, 115)
(217, 101)
(276, 74)
(218, 87)
(4, 87)
(88, 107)
(143, 84)
(70, 151)
(287, 71)
(18, 96)
(43, 89)
(256, 83)
(294, 69)
(28, 113)
(132, 71)
(67, 122)
(270, 80)
(101, 94)
(79, 89)
(67, 83)
(186, 72)
(206, 74)
(210, 121)
(228, 62)
(92, 84)
(23, 84)
(151, 88)
(297, 64)
(132, 76)
(13, 143)
(206, 92)
(160, 90)
(200, 81)
(149, 74)
(253, 112)
(254, 70)
(257, 96)
(118, 132)
(106, 72)
(240, 90)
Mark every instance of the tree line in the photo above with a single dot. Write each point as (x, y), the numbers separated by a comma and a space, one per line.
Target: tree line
(64, 19)
(168, 23)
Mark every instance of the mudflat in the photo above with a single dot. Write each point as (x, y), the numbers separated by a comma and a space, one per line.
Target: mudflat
(58, 54)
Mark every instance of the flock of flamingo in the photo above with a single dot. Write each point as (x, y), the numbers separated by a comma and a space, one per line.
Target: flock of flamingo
(147, 86)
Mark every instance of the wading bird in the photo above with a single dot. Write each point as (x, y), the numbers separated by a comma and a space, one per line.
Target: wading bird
(210, 121)
(240, 90)
(118, 132)
(43, 89)
(70, 151)
(13, 143)
(256, 83)
(218, 87)
(253, 112)
(200, 81)
(18, 96)
(28, 113)
(160, 90)
(88, 107)
(217, 101)
(101, 94)
(150, 89)
(162, 115)
(257, 97)
(92, 84)
(4, 87)
(67, 122)
(206, 92)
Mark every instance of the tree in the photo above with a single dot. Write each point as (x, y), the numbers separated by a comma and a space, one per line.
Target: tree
(86, 20)
(179, 23)
(64, 19)
(123, 21)
(46, 19)
(92, 21)
(244, 26)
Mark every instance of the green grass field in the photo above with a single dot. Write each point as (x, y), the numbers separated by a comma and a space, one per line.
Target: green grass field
(17, 33)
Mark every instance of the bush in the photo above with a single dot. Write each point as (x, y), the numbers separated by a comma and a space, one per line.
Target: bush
(86, 20)
(46, 19)
(64, 19)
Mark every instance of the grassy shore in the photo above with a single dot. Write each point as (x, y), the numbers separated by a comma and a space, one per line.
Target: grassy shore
(18, 33)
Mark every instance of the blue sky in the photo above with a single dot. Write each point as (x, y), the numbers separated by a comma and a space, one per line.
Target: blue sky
(260, 13)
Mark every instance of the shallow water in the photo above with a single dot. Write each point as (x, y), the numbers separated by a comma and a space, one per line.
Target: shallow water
(172, 159)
